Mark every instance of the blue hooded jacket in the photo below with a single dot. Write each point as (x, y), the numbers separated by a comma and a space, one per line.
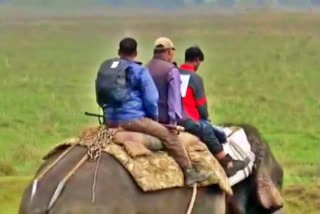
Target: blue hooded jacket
(141, 100)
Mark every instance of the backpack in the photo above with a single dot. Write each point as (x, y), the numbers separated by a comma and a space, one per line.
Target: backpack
(111, 82)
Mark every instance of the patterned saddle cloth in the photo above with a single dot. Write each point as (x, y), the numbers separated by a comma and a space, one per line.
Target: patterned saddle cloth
(150, 166)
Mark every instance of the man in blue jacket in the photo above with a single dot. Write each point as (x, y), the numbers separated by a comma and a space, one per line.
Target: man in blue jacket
(139, 111)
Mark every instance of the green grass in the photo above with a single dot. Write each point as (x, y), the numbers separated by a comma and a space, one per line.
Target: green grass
(260, 68)
(11, 189)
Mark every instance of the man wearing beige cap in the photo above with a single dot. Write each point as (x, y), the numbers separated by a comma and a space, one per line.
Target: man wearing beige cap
(166, 76)
(167, 79)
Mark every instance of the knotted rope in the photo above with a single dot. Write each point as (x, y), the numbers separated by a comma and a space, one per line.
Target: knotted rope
(96, 145)
(98, 142)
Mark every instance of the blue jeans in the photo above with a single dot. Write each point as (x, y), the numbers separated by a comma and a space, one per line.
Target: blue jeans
(217, 131)
(207, 133)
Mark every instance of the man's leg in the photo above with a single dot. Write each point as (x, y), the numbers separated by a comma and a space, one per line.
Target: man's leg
(170, 140)
(230, 165)
(205, 132)
(218, 131)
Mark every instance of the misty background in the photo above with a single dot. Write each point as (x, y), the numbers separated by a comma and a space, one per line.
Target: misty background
(165, 4)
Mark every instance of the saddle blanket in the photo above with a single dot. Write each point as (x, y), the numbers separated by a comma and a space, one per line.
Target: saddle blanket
(157, 170)
(238, 147)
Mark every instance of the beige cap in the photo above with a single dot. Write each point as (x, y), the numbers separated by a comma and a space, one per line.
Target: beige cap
(164, 43)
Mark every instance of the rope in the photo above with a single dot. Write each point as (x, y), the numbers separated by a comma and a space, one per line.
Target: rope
(63, 182)
(96, 145)
(193, 199)
(95, 181)
(46, 170)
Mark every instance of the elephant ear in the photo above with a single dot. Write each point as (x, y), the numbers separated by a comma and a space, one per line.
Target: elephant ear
(268, 194)
(267, 191)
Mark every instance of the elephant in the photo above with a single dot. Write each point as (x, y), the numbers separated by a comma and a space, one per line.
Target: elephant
(246, 198)
(117, 193)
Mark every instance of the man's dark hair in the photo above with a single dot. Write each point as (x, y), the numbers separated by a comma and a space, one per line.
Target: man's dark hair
(128, 46)
(159, 49)
(193, 53)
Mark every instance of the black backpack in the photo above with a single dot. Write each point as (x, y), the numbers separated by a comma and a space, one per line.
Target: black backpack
(111, 83)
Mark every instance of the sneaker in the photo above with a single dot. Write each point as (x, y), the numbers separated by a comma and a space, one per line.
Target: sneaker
(232, 166)
(192, 176)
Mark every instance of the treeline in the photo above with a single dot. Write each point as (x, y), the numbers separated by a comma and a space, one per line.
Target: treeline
(168, 3)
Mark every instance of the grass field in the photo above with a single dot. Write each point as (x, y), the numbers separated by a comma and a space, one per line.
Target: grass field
(260, 68)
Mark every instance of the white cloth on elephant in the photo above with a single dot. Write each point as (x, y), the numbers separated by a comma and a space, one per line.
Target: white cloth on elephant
(238, 147)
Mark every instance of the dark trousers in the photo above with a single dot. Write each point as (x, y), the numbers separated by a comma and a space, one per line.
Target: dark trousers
(206, 132)
(220, 134)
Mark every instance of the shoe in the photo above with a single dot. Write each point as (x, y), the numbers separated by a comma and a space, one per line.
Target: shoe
(192, 176)
(232, 166)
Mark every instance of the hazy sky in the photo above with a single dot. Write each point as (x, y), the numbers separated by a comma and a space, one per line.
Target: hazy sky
(168, 3)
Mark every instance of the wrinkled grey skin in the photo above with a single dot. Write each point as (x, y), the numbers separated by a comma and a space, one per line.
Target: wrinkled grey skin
(116, 192)
(244, 200)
